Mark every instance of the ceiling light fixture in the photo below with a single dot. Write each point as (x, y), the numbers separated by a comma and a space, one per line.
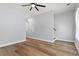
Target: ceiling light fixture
(33, 5)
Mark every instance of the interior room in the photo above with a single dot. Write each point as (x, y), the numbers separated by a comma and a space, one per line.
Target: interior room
(39, 29)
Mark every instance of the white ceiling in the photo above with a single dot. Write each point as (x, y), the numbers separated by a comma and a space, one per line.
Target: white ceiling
(55, 7)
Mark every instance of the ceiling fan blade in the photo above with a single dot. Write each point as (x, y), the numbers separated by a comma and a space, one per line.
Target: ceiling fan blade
(26, 5)
(36, 8)
(40, 5)
(30, 8)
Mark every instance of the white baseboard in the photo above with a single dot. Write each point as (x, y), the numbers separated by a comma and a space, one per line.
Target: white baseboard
(41, 39)
(77, 45)
(4, 45)
(64, 40)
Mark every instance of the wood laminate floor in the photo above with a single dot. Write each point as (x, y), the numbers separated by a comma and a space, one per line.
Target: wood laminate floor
(33, 47)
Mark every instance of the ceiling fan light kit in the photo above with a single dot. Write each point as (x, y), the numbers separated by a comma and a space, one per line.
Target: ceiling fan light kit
(34, 5)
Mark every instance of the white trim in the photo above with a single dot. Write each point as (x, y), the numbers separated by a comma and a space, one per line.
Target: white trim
(41, 39)
(11, 43)
(76, 45)
(64, 40)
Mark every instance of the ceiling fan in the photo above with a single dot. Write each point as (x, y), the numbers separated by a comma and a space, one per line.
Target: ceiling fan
(34, 5)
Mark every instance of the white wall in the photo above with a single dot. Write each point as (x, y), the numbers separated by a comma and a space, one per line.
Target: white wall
(12, 24)
(42, 26)
(65, 26)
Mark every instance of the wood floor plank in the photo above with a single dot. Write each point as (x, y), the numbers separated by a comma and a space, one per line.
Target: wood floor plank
(33, 47)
